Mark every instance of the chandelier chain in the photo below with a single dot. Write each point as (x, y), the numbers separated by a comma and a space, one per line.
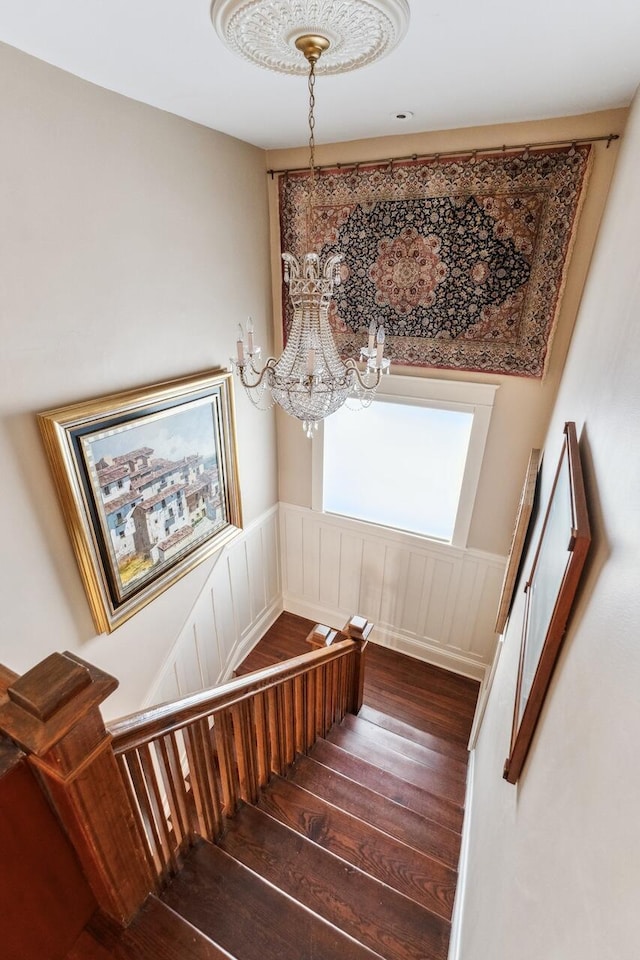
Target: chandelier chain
(312, 119)
(310, 380)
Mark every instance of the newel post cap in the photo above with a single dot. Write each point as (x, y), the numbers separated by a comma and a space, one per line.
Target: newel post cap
(46, 702)
(358, 628)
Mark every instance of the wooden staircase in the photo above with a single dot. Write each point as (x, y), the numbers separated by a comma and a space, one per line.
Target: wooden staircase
(344, 857)
(348, 849)
(332, 867)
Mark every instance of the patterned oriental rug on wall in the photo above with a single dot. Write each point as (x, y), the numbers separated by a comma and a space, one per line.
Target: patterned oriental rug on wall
(462, 259)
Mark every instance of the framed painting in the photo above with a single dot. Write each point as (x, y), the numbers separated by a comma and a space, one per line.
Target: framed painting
(550, 589)
(525, 508)
(148, 483)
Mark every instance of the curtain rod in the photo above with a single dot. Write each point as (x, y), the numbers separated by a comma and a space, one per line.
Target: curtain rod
(436, 155)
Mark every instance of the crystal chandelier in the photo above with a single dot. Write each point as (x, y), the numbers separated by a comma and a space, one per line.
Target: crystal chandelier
(310, 380)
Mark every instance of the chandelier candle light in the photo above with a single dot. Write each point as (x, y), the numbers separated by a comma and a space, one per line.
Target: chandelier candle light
(310, 380)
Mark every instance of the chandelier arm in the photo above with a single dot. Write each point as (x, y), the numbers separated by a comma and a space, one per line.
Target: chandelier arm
(259, 374)
(363, 380)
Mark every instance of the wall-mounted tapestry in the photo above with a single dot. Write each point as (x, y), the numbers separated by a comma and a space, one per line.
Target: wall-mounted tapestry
(462, 259)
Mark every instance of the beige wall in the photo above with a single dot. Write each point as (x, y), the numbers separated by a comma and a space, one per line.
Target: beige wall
(522, 406)
(131, 243)
(554, 862)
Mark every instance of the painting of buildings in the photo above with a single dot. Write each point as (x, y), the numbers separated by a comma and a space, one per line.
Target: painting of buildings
(159, 497)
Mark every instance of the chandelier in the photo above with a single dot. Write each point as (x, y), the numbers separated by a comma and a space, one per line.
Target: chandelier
(310, 380)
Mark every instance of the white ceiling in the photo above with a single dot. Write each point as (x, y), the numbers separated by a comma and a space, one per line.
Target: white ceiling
(463, 62)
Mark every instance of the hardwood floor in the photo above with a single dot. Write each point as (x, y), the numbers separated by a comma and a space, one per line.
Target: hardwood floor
(433, 701)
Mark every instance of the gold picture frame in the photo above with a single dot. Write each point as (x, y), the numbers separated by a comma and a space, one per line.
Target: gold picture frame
(148, 484)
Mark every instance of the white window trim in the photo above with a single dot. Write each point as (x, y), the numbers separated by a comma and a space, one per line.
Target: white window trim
(476, 398)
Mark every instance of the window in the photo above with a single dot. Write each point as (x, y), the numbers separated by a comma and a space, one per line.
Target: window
(411, 461)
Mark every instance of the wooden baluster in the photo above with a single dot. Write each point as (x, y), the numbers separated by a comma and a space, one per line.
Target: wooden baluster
(125, 773)
(262, 739)
(210, 776)
(335, 676)
(197, 780)
(299, 710)
(245, 751)
(275, 739)
(157, 805)
(319, 701)
(338, 712)
(310, 719)
(140, 820)
(288, 720)
(53, 713)
(223, 734)
(173, 778)
(329, 696)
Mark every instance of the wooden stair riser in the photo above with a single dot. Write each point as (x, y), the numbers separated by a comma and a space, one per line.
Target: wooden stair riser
(249, 917)
(387, 784)
(426, 836)
(387, 922)
(431, 759)
(426, 881)
(450, 788)
(440, 744)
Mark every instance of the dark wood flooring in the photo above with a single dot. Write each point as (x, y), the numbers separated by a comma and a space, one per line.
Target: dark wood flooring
(433, 701)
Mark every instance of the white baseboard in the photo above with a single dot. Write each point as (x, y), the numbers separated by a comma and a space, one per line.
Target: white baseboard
(425, 649)
(455, 941)
(243, 648)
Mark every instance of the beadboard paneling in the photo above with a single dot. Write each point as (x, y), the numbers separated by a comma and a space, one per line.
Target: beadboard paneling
(429, 600)
(239, 602)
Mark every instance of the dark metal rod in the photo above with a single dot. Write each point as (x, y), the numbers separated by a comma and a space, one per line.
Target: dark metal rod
(436, 155)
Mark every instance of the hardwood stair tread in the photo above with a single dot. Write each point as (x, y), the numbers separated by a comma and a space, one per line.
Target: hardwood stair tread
(440, 744)
(156, 933)
(421, 717)
(248, 916)
(388, 923)
(400, 669)
(87, 947)
(425, 696)
(383, 737)
(394, 819)
(403, 767)
(411, 872)
(388, 784)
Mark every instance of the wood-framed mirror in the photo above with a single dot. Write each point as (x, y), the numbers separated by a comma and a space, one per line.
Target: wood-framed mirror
(559, 557)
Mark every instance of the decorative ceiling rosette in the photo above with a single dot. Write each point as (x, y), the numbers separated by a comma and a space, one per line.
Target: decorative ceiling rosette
(264, 31)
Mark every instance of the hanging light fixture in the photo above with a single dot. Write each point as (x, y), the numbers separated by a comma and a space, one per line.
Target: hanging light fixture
(310, 380)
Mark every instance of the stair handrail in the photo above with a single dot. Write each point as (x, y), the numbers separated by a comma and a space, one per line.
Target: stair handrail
(137, 728)
(135, 795)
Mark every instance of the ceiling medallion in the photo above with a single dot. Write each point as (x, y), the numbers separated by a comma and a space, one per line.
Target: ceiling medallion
(265, 31)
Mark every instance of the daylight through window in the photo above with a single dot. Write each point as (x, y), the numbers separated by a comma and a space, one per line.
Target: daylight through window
(408, 462)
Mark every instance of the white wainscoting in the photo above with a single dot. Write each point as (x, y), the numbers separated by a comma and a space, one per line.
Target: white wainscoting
(431, 601)
(239, 602)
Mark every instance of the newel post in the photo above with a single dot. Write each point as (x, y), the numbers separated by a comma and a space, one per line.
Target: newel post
(53, 713)
(358, 629)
